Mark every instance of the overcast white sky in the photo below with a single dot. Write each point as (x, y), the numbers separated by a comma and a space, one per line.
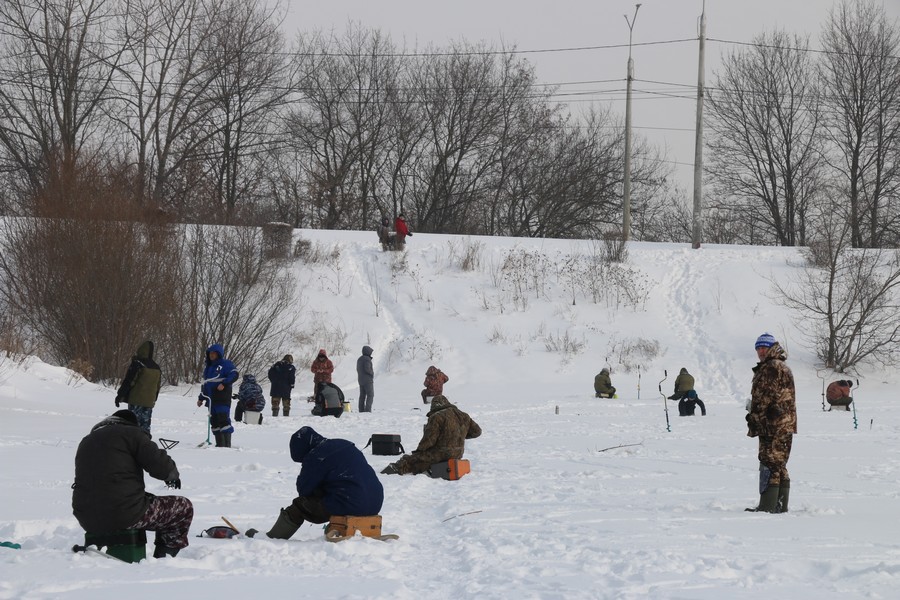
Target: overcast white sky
(544, 25)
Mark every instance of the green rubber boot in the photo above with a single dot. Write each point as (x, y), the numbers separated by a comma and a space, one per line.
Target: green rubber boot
(784, 495)
(768, 500)
(283, 528)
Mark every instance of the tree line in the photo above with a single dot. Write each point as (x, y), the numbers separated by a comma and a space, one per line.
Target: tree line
(801, 138)
(204, 110)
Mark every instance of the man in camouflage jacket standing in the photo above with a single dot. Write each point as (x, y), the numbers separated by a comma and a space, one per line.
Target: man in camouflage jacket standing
(773, 419)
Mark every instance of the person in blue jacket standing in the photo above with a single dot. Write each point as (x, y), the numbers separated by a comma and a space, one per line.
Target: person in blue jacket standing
(215, 392)
(335, 479)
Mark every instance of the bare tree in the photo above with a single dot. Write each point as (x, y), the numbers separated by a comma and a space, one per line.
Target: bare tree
(90, 286)
(229, 293)
(861, 74)
(165, 99)
(764, 151)
(252, 82)
(847, 300)
(57, 70)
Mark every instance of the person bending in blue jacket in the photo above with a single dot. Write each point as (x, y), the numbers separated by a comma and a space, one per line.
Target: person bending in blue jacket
(335, 479)
(215, 392)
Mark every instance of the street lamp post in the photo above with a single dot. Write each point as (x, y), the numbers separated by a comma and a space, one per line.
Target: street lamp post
(626, 188)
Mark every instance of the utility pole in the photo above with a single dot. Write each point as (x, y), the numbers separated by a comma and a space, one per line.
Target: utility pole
(698, 140)
(626, 188)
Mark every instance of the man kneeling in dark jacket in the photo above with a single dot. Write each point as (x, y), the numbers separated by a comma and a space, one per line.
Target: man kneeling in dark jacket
(335, 479)
(109, 491)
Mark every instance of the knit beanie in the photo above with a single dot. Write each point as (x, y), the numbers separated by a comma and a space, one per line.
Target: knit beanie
(766, 340)
(126, 415)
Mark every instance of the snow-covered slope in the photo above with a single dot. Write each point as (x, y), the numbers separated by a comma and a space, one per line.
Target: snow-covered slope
(551, 509)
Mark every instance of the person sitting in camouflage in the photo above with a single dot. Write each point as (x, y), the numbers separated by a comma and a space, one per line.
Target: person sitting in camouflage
(773, 419)
(444, 438)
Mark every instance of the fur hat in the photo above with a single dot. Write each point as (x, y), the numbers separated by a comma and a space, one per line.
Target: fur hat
(288, 359)
(766, 340)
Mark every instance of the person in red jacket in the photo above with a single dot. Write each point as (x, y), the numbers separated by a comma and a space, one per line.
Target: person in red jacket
(401, 231)
(322, 368)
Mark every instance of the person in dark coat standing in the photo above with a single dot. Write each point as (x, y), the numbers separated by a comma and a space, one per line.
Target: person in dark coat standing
(215, 392)
(109, 494)
(282, 375)
(444, 438)
(334, 479)
(141, 385)
(321, 368)
(365, 374)
(401, 230)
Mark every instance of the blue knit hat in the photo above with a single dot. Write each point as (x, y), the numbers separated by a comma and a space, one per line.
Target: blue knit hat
(766, 340)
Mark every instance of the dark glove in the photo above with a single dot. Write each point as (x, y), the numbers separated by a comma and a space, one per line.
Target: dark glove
(251, 532)
(118, 401)
(409, 234)
(175, 484)
(752, 424)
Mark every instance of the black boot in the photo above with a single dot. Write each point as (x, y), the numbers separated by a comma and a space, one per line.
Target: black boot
(274, 412)
(219, 442)
(164, 551)
(287, 412)
(226, 440)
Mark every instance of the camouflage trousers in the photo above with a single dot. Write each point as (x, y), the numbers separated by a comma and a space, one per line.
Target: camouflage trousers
(276, 404)
(170, 517)
(774, 452)
(143, 415)
(419, 462)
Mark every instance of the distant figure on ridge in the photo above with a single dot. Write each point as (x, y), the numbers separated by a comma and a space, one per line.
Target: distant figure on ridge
(401, 231)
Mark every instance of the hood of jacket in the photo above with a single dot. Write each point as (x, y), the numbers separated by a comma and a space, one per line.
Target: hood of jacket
(215, 348)
(439, 403)
(145, 351)
(775, 352)
(116, 419)
(367, 351)
(249, 378)
(303, 442)
(683, 371)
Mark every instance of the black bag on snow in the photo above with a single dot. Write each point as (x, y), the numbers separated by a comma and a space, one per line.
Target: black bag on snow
(384, 444)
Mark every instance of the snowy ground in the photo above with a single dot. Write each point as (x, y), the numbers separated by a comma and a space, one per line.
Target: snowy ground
(548, 511)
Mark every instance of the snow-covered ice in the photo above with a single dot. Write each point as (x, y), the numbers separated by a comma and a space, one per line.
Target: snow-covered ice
(551, 509)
